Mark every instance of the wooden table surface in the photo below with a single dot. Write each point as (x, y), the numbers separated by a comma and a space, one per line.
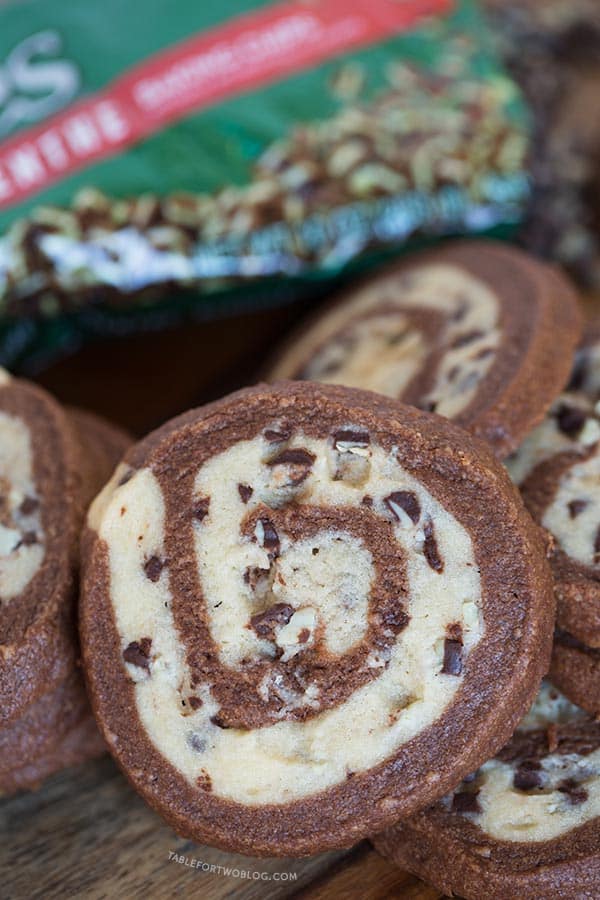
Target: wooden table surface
(86, 833)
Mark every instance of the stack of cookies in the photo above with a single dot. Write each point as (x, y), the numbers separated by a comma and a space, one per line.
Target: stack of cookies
(321, 609)
(52, 462)
(525, 823)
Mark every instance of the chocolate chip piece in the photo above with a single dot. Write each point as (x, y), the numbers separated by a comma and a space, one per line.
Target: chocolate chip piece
(575, 507)
(300, 462)
(395, 618)
(201, 508)
(597, 547)
(393, 340)
(277, 434)
(527, 777)
(264, 624)
(570, 420)
(463, 339)
(253, 575)
(138, 653)
(367, 501)
(405, 500)
(453, 663)
(245, 492)
(194, 702)
(218, 721)
(454, 630)
(268, 537)
(293, 456)
(303, 636)
(29, 506)
(460, 312)
(552, 737)
(153, 567)
(568, 640)
(466, 802)
(344, 438)
(430, 548)
(575, 792)
(350, 459)
(578, 376)
(203, 781)
(197, 743)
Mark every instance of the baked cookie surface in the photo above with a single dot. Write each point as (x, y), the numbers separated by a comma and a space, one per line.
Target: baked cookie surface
(525, 825)
(79, 744)
(43, 724)
(293, 600)
(558, 471)
(467, 330)
(51, 465)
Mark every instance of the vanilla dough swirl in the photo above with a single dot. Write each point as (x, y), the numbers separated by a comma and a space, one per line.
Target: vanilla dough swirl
(21, 528)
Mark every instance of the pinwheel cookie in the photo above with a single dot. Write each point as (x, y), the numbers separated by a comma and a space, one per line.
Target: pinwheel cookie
(525, 825)
(51, 464)
(307, 611)
(52, 461)
(467, 330)
(558, 470)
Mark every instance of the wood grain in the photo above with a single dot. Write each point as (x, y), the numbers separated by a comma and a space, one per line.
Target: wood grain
(366, 875)
(86, 833)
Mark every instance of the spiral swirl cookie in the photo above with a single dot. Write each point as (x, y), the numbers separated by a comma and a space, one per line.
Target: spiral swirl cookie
(51, 464)
(467, 331)
(558, 470)
(306, 611)
(525, 825)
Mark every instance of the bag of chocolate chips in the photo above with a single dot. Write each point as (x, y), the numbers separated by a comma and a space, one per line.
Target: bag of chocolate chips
(552, 49)
(180, 159)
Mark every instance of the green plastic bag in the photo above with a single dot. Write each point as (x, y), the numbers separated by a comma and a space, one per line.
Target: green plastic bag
(174, 160)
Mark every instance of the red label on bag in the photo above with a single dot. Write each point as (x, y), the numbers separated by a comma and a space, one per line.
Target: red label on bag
(242, 54)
